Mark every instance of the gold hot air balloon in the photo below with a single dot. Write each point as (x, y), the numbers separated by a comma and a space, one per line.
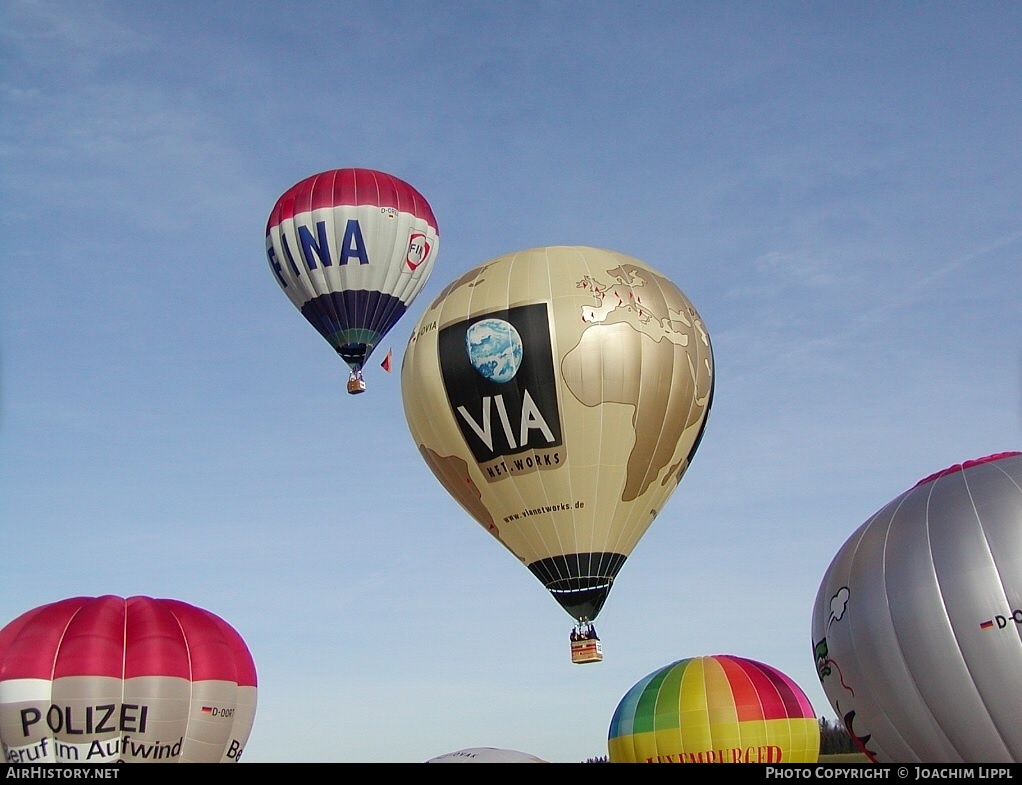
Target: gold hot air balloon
(559, 395)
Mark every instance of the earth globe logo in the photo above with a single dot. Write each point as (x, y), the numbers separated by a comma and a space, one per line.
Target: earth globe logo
(494, 349)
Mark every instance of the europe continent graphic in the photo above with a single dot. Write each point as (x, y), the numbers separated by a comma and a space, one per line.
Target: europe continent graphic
(630, 324)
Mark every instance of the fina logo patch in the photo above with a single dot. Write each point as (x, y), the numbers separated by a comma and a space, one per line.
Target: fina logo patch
(418, 250)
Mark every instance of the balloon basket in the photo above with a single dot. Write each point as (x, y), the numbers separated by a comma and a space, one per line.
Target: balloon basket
(356, 385)
(586, 651)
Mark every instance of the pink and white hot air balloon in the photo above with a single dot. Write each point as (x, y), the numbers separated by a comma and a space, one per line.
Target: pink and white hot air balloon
(137, 680)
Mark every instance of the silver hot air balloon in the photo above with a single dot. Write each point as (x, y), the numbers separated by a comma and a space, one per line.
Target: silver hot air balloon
(917, 626)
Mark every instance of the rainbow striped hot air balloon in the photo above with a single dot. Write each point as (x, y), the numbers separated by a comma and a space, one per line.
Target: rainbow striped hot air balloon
(714, 709)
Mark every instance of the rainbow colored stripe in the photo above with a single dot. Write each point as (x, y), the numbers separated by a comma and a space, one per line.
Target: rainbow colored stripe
(714, 709)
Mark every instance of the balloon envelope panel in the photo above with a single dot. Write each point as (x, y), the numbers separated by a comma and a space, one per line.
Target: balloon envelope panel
(715, 709)
(107, 679)
(351, 249)
(559, 395)
(917, 631)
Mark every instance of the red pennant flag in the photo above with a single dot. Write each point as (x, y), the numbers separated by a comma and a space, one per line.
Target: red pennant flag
(385, 365)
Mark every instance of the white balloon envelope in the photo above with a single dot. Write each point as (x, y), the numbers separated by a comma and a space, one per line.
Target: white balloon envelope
(917, 626)
(486, 755)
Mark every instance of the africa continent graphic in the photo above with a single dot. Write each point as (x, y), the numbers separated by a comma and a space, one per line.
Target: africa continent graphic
(638, 350)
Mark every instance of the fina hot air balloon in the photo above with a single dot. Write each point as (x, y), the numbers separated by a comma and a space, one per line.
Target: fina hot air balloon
(137, 680)
(715, 709)
(917, 625)
(352, 248)
(559, 395)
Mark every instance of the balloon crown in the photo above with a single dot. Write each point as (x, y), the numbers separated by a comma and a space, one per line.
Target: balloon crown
(958, 467)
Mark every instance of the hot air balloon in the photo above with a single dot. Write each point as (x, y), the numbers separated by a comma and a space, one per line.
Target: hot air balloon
(486, 755)
(352, 248)
(559, 394)
(917, 625)
(137, 680)
(714, 709)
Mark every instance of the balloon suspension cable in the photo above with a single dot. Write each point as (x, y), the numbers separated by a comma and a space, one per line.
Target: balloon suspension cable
(584, 631)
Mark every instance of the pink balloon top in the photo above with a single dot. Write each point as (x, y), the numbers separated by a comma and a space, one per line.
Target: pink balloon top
(966, 465)
(123, 639)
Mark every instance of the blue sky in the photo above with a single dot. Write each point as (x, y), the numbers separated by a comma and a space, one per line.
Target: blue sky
(834, 186)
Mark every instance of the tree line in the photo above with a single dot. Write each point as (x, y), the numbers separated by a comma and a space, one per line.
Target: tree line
(835, 738)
